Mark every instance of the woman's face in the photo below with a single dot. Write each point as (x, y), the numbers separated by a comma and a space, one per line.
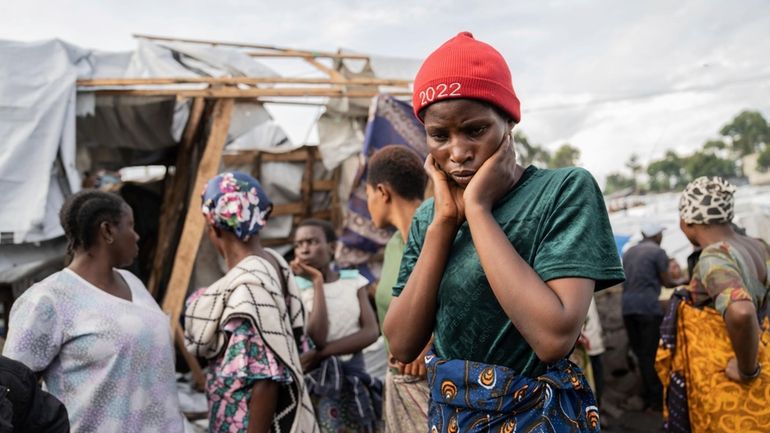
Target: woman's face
(312, 248)
(126, 240)
(462, 134)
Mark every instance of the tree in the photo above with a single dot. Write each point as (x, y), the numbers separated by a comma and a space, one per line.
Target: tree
(705, 163)
(530, 153)
(764, 159)
(667, 173)
(715, 145)
(565, 156)
(635, 166)
(617, 182)
(747, 133)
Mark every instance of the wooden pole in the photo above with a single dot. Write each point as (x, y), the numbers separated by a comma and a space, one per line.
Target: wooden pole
(112, 82)
(333, 74)
(307, 188)
(174, 195)
(299, 53)
(235, 93)
(194, 223)
(317, 103)
(198, 377)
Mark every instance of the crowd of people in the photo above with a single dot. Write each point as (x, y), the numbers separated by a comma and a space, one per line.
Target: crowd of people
(484, 300)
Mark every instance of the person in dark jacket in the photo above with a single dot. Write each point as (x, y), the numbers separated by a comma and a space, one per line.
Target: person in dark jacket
(24, 406)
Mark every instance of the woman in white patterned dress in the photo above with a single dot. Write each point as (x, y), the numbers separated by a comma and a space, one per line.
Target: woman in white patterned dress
(93, 332)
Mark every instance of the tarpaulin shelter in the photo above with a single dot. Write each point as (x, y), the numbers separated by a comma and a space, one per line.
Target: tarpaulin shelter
(182, 104)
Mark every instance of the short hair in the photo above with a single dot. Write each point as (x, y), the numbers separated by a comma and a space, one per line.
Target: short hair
(400, 168)
(82, 213)
(325, 226)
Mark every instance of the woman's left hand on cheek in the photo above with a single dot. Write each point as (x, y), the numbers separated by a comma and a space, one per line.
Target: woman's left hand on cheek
(494, 179)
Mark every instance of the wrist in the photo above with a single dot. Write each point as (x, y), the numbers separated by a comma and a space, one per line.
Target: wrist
(476, 209)
(748, 376)
(322, 353)
(443, 226)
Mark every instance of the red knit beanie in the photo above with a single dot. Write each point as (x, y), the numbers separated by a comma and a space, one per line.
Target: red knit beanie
(465, 68)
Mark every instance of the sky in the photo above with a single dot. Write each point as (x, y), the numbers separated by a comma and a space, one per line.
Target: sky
(611, 78)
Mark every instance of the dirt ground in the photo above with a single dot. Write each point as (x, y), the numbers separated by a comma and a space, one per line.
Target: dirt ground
(621, 406)
(633, 422)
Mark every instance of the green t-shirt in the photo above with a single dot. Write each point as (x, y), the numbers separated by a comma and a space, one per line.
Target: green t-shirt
(388, 277)
(557, 222)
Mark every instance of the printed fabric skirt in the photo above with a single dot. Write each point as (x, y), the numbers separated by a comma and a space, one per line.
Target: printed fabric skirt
(472, 397)
(697, 395)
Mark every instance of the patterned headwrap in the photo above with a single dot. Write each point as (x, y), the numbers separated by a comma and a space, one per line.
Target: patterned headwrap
(236, 202)
(707, 200)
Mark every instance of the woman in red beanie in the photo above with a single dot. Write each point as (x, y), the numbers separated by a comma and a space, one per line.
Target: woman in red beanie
(501, 265)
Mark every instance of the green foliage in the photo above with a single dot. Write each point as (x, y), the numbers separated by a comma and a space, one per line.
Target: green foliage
(747, 133)
(667, 173)
(715, 145)
(674, 172)
(530, 153)
(565, 156)
(764, 159)
(617, 182)
(636, 167)
(704, 163)
(535, 154)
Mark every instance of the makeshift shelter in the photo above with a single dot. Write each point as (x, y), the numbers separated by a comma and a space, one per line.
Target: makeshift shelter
(182, 105)
(752, 212)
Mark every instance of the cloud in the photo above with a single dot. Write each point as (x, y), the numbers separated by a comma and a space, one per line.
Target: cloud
(610, 78)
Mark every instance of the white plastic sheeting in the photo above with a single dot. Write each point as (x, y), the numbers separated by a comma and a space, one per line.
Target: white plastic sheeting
(39, 105)
(37, 123)
(752, 212)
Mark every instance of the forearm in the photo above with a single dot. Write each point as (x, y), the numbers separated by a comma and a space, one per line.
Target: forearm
(548, 321)
(670, 282)
(262, 406)
(743, 330)
(318, 319)
(411, 316)
(350, 344)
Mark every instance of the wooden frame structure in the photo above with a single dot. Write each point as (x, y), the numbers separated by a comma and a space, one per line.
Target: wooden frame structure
(209, 120)
(308, 156)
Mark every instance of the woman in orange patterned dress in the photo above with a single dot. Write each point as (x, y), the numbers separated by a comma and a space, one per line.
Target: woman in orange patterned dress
(715, 337)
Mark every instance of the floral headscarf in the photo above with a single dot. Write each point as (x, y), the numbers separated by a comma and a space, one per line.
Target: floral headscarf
(236, 202)
(707, 200)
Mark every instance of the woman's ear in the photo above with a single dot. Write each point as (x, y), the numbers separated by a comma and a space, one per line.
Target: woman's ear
(214, 231)
(385, 192)
(215, 237)
(107, 232)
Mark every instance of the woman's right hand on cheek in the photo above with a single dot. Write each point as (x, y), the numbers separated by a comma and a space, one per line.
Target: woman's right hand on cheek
(305, 271)
(448, 197)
